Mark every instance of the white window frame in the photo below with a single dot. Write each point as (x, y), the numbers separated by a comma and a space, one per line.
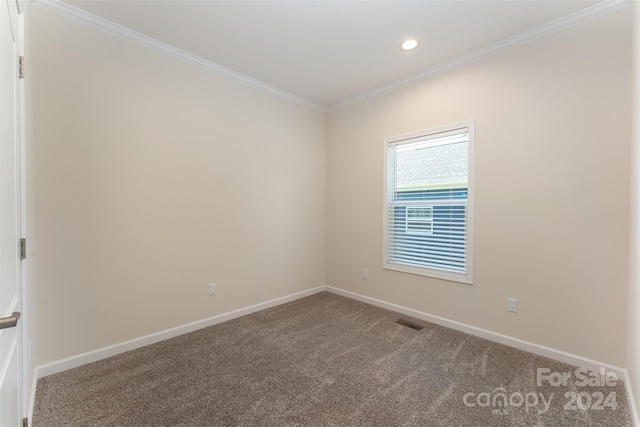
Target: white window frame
(466, 278)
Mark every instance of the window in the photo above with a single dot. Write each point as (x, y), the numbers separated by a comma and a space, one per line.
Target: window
(428, 203)
(419, 219)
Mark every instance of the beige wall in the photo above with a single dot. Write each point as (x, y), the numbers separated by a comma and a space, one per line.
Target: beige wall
(551, 187)
(156, 178)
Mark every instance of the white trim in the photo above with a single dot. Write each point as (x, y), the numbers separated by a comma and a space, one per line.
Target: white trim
(32, 397)
(530, 347)
(25, 319)
(632, 403)
(151, 43)
(112, 350)
(544, 30)
(561, 356)
(471, 199)
(428, 272)
(586, 14)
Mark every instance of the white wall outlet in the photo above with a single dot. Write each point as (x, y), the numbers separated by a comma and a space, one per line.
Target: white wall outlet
(365, 274)
(512, 305)
(212, 289)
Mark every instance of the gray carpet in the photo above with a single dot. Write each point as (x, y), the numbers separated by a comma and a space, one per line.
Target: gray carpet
(324, 360)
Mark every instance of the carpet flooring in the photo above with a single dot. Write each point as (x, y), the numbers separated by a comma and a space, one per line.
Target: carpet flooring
(326, 360)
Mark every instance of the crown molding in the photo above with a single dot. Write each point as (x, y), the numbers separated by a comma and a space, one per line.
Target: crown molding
(544, 30)
(586, 14)
(151, 43)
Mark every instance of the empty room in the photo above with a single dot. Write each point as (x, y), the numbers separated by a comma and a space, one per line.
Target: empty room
(319, 213)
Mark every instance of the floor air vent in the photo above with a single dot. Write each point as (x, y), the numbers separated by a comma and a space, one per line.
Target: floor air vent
(409, 325)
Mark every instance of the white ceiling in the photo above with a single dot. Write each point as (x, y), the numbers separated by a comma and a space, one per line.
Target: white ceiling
(328, 52)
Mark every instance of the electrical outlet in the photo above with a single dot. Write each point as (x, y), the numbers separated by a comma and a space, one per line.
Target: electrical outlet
(512, 305)
(212, 289)
(365, 274)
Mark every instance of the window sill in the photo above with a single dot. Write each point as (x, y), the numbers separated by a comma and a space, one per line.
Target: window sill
(436, 274)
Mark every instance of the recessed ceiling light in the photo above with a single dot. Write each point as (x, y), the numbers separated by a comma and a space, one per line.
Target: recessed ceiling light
(409, 44)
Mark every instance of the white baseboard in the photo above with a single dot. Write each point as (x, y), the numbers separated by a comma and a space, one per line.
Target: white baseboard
(103, 353)
(112, 350)
(632, 403)
(32, 397)
(540, 350)
(530, 347)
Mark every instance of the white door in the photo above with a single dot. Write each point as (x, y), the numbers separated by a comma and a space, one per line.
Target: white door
(10, 172)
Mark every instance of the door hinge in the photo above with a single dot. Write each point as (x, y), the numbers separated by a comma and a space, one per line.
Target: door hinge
(25, 422)
(21, 67)
(23, 249)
